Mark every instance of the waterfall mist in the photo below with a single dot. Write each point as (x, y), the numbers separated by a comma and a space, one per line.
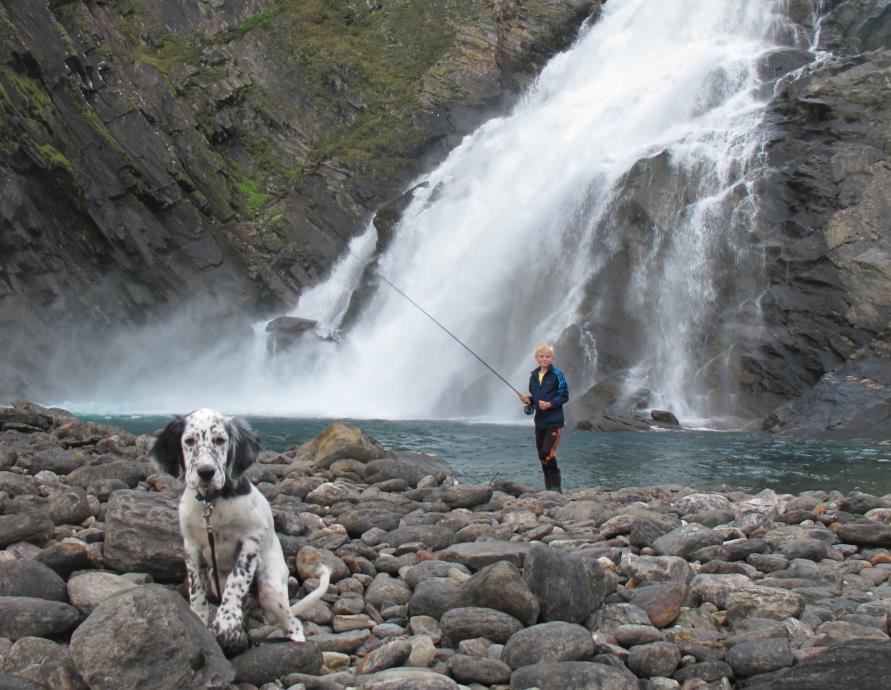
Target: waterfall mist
(611, 212)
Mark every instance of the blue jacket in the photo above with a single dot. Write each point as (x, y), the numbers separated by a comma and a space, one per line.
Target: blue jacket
(552, 389)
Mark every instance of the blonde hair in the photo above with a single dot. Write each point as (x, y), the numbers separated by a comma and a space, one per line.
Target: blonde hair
(545, 347)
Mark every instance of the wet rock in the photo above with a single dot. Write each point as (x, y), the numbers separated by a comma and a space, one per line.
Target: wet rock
(433, 597)
(567, 587)
(128, 471)
(340, 441)
(142, 535)
(863, 533)
(345, 643)
(476, 555)
(764, 602)
(357, 522)
(88, 589)
(579, 675)
(68, 555)
(409, 467)
(33, 526)
(58, 460)
(466, 495)
(647, 529)
(697, 503)
(662, 602)
(474, 669)
(811, 549)
(9, 681)
(545, 642)
(860, 503)
(28, 578)
(654, 659)
(121, 642)
(408, 679)
(43, 662)
(69, 507)
(388, 655)
(832, 633)
(434, 537)
(686, 539)
(271, 661)
(611, 616)
(649, 569)
(27, 616)
(759, 656)
(501, 586)
(472, 621)
(715, 588)
(708, 671)
(427, 569)
(631, 635)
(385, 589)
(862, 664)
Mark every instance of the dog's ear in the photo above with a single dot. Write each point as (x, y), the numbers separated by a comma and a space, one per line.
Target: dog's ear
(167, 450)
(244, 447)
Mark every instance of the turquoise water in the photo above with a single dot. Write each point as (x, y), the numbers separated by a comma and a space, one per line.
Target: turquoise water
(699, 459)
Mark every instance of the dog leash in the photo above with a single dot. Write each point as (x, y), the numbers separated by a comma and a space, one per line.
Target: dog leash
(208, 500)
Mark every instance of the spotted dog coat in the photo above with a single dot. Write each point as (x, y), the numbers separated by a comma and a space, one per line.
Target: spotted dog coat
(212, 452)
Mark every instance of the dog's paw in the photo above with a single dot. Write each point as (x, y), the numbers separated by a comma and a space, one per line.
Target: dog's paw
(232, 640)
(297, 637)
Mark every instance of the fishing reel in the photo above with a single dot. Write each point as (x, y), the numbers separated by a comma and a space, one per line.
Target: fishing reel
(530, 408)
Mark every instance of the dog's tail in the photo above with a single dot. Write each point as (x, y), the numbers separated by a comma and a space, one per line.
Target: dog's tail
(311, 598)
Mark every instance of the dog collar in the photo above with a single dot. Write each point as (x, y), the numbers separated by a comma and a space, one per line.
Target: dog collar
(208, 498)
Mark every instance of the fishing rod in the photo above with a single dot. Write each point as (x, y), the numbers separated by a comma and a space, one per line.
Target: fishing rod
(367, 264)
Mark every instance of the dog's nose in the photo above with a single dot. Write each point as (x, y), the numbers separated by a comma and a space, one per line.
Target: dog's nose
(206, 473)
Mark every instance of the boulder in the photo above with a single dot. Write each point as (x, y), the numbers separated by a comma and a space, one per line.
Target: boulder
(861, 664)
(28, 578)
(407, 466)
(270, 661)
(501, 586)
(142, 535)
(340, 441)
(472, 621)
(27, 616)
(546, 642)
(568, 587)
(148, 638)
(578, 675)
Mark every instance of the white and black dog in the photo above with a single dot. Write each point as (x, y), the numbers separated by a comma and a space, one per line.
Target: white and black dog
(225, 518)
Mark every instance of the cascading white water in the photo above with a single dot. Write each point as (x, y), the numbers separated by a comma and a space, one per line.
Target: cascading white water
(517, 234)
(505, 234)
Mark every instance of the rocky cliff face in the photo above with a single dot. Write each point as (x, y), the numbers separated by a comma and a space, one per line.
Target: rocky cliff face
(827, 234)
(195, 156)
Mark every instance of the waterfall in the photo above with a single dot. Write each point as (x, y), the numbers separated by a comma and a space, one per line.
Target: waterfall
(614, 200)
(612, 212)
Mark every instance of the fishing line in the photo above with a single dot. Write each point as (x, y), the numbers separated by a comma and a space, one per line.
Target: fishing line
(377, 272)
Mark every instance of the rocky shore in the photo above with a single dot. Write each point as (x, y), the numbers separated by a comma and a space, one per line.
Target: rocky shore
(436, 584)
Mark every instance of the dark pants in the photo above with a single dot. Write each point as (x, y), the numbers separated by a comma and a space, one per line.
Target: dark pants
(546, 441)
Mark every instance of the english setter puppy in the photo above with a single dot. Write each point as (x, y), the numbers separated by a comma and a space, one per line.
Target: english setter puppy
(225, 518)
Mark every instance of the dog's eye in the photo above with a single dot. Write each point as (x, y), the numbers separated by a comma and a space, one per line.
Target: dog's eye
(189, 442)
(219, 441)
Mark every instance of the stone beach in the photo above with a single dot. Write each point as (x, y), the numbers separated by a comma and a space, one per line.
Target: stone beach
(435, 584)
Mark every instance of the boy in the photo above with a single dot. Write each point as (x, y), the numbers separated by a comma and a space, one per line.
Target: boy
(548, 393)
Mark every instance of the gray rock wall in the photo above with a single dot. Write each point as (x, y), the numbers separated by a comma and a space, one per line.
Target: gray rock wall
(827, 235)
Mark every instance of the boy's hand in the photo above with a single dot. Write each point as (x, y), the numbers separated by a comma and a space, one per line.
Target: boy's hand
(523, 398)
(544, 405)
